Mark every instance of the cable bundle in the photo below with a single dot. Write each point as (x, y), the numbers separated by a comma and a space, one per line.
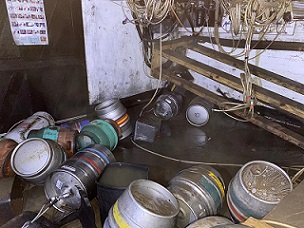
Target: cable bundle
(247, 18)
(150, 11)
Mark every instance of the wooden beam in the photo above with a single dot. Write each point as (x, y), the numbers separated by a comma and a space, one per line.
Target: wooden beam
(266, 96)
(260, 121)
(276, 45)
(260, 72)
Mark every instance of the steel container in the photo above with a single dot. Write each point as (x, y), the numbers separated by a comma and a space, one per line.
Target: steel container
(114, 180)
(211, 221)
(257, 188)
(144, 203)
(113, 109)
(6, 148)
(198, 112)
(37, 121)
(34, 159)
(97, 132)
(63, 136)
(79, 172)
(199, 191)
(168, 105)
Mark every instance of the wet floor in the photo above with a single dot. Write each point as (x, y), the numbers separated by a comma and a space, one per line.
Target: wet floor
(221, 140)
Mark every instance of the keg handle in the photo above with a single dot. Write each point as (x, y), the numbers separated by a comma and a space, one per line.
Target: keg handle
(45, 207)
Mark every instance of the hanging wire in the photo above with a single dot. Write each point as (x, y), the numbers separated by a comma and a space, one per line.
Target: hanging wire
(160, 74)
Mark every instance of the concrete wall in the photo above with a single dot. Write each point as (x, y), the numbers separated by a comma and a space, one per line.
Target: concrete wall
(114, 60)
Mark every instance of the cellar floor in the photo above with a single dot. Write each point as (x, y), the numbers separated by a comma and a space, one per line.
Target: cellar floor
(221, 140)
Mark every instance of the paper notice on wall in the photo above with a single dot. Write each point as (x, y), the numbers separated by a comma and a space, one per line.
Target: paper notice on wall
(27, 22)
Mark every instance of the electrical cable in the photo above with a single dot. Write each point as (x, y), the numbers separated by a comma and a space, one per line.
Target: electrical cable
(297, 175)
(160, 75)
(184, 161)
(201, 162)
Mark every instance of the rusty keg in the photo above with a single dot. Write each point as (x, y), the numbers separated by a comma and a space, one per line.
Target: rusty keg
(34, 159)
(257, 188)
(113, 109)
(63, 136)
(6, 148)
(199, 191)
(144, 203)
(37, 121)
(79, 172)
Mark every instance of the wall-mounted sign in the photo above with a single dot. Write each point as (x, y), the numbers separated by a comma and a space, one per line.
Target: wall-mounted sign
(27, 22)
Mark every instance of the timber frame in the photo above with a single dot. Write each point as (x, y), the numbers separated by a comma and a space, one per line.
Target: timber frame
(171, 50)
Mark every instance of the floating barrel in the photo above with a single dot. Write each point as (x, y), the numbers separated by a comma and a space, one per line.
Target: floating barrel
(6, 148)
(114, 110)
(256, 188)
(199, 191)
(80, 171)
(144, 203)
(97, 132)
(198, 112)
(63, 136)
(211, 221)
(168, 105)
(37, 121)
(34, 159)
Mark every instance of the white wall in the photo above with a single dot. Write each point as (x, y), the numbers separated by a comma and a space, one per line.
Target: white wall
(114, 57)
(115, 65)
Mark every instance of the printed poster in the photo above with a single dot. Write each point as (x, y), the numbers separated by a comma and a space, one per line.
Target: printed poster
(27, 22)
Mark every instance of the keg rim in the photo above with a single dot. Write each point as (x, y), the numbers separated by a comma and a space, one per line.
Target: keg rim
(172, 199)
(50, 189)
(239, 176)
(194, 123)
(46, 116)
(43, 167)
(105, 108)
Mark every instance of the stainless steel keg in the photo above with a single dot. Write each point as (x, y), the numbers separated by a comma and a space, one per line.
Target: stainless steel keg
(79, 172)
(199, 191)
(198, 112)
(35, 122)
(34, 159)
(257, 188)
(210, 221)
(113, 109)
(144, 204)
(168, 105)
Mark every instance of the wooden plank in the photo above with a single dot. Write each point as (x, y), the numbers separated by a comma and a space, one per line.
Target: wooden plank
(276, 45)
(173, 44)
(268, 97)
(260, 72)
(260, 121)
(290, 210)
(20, 64)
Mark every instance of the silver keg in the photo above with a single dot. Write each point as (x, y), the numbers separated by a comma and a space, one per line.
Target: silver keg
(257, 188)
(211, 221)
(198, 112)
(34, 159)
(35, 122)
(79, 172)
(168, 105)
(144, 204)
(199, 191)
(113, 109)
